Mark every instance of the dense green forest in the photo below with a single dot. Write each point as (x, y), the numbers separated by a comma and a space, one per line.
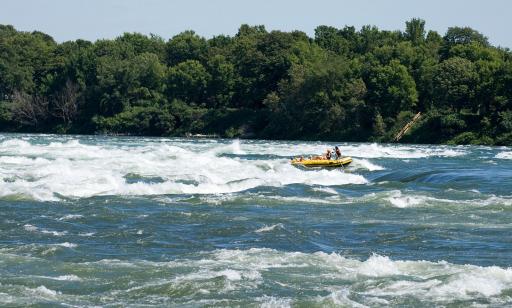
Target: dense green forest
(343, 84)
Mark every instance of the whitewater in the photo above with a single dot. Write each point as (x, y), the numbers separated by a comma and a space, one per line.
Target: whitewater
(132, 221)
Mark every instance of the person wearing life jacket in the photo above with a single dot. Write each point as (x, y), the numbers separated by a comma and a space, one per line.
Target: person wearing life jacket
(328, 154)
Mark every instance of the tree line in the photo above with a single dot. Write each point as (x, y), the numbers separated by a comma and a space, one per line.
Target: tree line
(342, 84)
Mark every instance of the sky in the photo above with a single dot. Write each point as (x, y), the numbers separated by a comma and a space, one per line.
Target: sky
(97, 19)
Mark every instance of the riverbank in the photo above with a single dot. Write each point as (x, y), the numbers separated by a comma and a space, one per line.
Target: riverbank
(433, 127)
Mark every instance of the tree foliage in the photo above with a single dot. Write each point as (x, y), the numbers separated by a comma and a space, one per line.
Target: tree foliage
(344, 84)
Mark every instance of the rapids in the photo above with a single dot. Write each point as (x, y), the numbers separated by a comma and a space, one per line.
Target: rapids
(125, 221)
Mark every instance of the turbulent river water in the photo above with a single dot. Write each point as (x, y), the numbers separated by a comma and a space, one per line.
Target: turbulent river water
(105, 221)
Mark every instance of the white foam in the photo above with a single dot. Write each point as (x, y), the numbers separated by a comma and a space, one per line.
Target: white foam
(75, 170)
(45, 292)
(62, 278)
(31, 228)
(327, 190)
(504, 155)
(67, 245)
(54, 233)
(359, 150)
(269, 228)
(378, 280)
(397, 199)
(87, 234)
(236, 148)
(341, 298)
(402, 151)
(378, 266)
(250, 197)
(68, 278)
(230, 274)
(408, 199)
(394, 198)
(71, 217)
(433, 280)
(464, 282)
(274, 302)
(366, 164)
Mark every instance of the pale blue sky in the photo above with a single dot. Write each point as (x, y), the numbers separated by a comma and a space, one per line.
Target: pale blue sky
(94, 19)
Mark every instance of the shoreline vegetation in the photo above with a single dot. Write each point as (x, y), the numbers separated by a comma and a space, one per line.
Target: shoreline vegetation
(342, 84)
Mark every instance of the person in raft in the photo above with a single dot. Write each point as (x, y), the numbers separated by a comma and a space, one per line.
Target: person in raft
(328, 154)
(337, 152)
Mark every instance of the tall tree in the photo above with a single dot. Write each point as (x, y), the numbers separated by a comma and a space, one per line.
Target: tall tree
(186, 46)
(415, 30)
(454, 84)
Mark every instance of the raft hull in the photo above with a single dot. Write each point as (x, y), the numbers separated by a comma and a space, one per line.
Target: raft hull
(322, 163)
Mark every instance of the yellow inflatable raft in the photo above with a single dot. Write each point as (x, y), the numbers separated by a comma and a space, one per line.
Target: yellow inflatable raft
(322, 163)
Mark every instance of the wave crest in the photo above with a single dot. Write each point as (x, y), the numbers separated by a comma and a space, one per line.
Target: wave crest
(75, 170)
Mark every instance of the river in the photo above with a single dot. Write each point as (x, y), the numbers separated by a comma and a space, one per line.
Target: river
(125, 221)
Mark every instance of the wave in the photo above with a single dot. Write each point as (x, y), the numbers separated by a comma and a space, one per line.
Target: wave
(71, 217)
(408, 199)
(61, 278)
(437, 281)
(220, 274)
(270, 228)
(31, 228)
(401, 151)
(265, 199)
(359, 150)
(366, 164)
(45, 292)
(397, 199)
(504, 155)
(393, 198)
(70, 169)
